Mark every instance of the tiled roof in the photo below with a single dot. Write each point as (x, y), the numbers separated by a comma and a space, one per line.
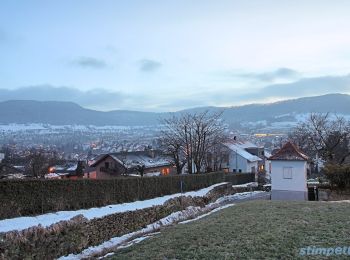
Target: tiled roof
(289, 152)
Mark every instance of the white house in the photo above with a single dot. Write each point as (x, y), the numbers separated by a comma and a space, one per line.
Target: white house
(239, 159)
(289, 174)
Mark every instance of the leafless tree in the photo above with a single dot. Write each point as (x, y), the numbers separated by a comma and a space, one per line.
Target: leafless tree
(39, 163)
(191, 137)
(123, 159)
(324, 135)
(172, 141)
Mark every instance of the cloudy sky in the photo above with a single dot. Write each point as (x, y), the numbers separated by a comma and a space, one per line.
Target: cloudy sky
(162, 55)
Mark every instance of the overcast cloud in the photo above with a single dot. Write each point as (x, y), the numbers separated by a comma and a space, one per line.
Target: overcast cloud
(169, 55)
(89, 62)
(147, 65)
(102, 99)
(278, 74)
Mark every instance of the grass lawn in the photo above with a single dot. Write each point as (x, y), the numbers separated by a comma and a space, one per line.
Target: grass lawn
(251, 230)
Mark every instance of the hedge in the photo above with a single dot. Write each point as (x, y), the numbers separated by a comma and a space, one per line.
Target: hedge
(338, 175)
(36, 196)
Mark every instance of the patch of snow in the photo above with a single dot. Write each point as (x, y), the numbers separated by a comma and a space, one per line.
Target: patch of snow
(137, 240)
(246, 185)
(109, 254)
(241, 196)
(48, 219)
(207, 214)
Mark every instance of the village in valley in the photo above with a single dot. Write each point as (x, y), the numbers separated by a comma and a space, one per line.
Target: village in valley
(174, 130)
(192, 167)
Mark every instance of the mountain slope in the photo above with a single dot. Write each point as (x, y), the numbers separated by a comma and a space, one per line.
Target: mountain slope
(67, 113)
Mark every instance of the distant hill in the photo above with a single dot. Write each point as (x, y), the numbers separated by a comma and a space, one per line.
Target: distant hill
(67, 113)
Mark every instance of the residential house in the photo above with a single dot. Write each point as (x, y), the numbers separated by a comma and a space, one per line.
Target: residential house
(8, 171)
(73, 170)
(243, 156)
(289, 174)
(148, 163)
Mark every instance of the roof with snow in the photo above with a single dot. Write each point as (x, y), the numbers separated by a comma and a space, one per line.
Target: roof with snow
(289, 152)
(244, 144)
(238, 148)
(134, 159)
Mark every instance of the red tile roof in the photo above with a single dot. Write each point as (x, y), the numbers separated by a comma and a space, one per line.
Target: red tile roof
(289, 152)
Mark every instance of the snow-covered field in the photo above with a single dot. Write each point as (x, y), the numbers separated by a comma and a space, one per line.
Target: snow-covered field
(46, 220)
(48, 127)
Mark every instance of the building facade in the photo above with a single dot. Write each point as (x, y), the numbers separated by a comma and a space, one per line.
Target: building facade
(289, 174)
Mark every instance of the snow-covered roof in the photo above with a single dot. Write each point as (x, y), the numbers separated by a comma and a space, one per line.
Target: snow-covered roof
(134, 159)
(52, 176)
(267, 154)
(65, 169)
(245, 144)
(239, 150)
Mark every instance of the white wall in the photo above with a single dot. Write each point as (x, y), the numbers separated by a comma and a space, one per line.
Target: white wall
(299, 176)
(240, 163)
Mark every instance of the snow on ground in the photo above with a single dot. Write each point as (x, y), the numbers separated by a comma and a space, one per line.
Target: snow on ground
(120, 241)
(242, 196)
(13, 127)
(246, 185)
(181, 217)
(207, 214)
(48, 219)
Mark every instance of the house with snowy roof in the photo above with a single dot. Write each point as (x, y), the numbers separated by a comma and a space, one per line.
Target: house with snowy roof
(72, 170)
(242, 156)
(147, 163)
(289, 174)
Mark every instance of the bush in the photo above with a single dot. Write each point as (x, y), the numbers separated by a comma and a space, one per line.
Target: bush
(338, 175)
(32, 197)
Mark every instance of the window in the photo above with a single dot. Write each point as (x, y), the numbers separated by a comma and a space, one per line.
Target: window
(106, 165)
(287, 173)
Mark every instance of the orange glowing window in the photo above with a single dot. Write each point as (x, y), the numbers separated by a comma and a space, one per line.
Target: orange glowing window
(165, 171)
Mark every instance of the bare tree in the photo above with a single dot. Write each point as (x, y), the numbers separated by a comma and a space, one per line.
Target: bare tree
(324, 136)
(172, 141)
(39, 163)
(190, 137)
(123, 159)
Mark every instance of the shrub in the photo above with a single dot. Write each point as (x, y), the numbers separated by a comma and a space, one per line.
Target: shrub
(38, 196)
(338, 175)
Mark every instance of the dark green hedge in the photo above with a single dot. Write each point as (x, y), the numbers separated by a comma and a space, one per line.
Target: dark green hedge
(338, 175)
(31, 197)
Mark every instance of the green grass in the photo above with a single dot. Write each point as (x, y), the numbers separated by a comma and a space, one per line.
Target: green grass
(251, 230)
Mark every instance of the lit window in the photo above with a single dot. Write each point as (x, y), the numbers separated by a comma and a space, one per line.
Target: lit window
(287, 173)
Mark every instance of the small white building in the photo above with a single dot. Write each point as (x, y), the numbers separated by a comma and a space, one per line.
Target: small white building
(289, 174)
(239, 159)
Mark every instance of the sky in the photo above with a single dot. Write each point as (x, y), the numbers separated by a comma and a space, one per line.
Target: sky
(161, 55)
